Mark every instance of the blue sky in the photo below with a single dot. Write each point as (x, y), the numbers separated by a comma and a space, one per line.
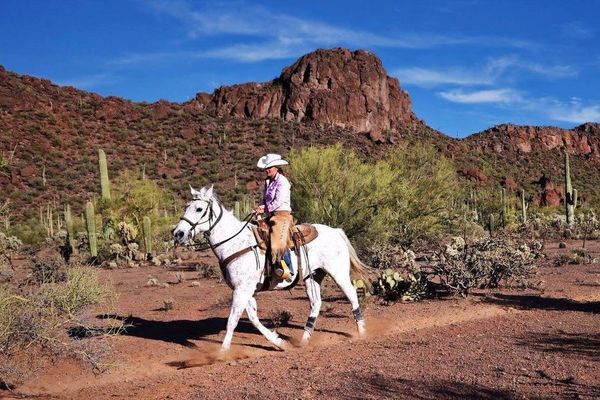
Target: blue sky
(467, 64)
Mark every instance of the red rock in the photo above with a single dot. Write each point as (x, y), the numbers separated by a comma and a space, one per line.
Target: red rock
(475, 175)
(337, 87)
(509, 183)
(28, 171)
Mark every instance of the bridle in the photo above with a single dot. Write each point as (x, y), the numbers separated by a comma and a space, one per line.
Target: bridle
(210, 212)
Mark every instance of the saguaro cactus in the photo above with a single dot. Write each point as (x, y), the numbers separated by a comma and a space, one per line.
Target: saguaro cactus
(147, 231)
(69, 225)
(503, 206)
(524, 207)
(104, 182)
(90, 223)
(570, 195)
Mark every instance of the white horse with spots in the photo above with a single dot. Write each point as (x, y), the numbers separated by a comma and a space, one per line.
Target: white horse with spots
(330, 253)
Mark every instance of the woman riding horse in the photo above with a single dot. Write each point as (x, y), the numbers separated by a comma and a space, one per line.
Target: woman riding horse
(276, 204)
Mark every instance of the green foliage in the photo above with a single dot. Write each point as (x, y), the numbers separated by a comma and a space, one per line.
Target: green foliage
(407, 286)
(136, 198)
(425, 185)
(333, 186)
(403, 197)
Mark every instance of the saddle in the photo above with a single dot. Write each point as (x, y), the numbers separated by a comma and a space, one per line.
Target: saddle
(299, 235)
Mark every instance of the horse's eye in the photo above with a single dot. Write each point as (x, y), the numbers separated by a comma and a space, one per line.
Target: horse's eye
(199, 209)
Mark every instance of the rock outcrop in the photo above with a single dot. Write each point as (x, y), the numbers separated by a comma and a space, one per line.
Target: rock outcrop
(583, 140)
(338, 87)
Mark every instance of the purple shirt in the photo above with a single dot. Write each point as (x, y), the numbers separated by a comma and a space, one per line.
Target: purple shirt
(276, 194)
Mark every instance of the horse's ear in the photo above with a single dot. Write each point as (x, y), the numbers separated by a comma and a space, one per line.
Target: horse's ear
(195, 193)
(208, 192)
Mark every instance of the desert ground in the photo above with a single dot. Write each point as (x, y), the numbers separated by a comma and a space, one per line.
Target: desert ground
(495, 344)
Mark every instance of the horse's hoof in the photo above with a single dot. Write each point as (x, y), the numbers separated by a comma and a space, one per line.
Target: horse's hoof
(281, 344)
(222, 354)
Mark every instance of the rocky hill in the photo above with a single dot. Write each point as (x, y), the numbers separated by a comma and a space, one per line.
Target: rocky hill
(336, 87)
(49, 135)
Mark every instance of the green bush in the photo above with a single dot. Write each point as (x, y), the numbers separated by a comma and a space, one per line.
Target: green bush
(333, 186)
(423, 191)
(403, 197)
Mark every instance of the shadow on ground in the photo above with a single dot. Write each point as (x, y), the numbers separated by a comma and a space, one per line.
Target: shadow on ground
(529, 302)
(578, 344)
(380, 386)
(183, 331)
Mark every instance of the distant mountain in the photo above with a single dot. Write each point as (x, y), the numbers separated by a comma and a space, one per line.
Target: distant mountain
(325, 97)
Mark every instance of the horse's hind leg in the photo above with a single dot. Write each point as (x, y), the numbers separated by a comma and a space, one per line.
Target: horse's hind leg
(273, 337)
(313, 290)
(344, 282)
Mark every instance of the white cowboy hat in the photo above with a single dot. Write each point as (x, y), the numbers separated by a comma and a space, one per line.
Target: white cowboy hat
(270, 160)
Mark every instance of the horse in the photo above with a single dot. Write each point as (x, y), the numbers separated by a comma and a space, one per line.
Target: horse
(243, 264)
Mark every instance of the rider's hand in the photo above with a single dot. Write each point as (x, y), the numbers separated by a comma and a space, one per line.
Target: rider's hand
(259, 209)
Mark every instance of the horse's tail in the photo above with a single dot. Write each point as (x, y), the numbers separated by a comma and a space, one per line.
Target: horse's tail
(357, 267)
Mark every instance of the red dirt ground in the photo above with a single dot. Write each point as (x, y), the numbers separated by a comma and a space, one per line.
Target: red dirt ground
(503, 344)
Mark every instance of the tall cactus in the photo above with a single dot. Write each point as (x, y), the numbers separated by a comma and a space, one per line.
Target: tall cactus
(570, 195)
(104, 182)
(69, 225)
(503, 206)
(90, 223)
(147, 231)
(524, 207)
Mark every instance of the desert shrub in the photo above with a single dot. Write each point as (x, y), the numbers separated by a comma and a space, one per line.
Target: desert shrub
(47, 270)
(134, 198)
(404, 284)
(383, 255)
(401, 198)
(81, 289)
(423, 189)
(334, 187)
(37, 319)
(485, 263)
(8, 245)
(577, 256)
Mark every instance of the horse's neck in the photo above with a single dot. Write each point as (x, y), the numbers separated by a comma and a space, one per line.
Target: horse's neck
(227, 227)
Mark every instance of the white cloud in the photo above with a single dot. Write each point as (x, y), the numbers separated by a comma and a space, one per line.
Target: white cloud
(429, 77)
(492, 72)
(506, 95)
(90, 81)
(574, 111)
(577, 30)
(260, 34)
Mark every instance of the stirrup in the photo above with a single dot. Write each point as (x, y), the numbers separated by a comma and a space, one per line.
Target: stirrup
(282, 271)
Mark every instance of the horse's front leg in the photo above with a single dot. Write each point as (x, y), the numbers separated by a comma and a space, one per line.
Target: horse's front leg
(271, 336)
(238, 304)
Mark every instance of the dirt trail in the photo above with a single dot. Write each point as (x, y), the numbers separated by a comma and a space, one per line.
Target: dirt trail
(503, 344)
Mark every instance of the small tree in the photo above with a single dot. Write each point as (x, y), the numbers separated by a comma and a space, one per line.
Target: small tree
(331, 185)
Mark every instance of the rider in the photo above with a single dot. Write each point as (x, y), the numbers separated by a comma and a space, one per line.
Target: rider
(276, 204)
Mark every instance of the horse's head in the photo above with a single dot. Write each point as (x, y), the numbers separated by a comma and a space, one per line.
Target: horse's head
(198, 216)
